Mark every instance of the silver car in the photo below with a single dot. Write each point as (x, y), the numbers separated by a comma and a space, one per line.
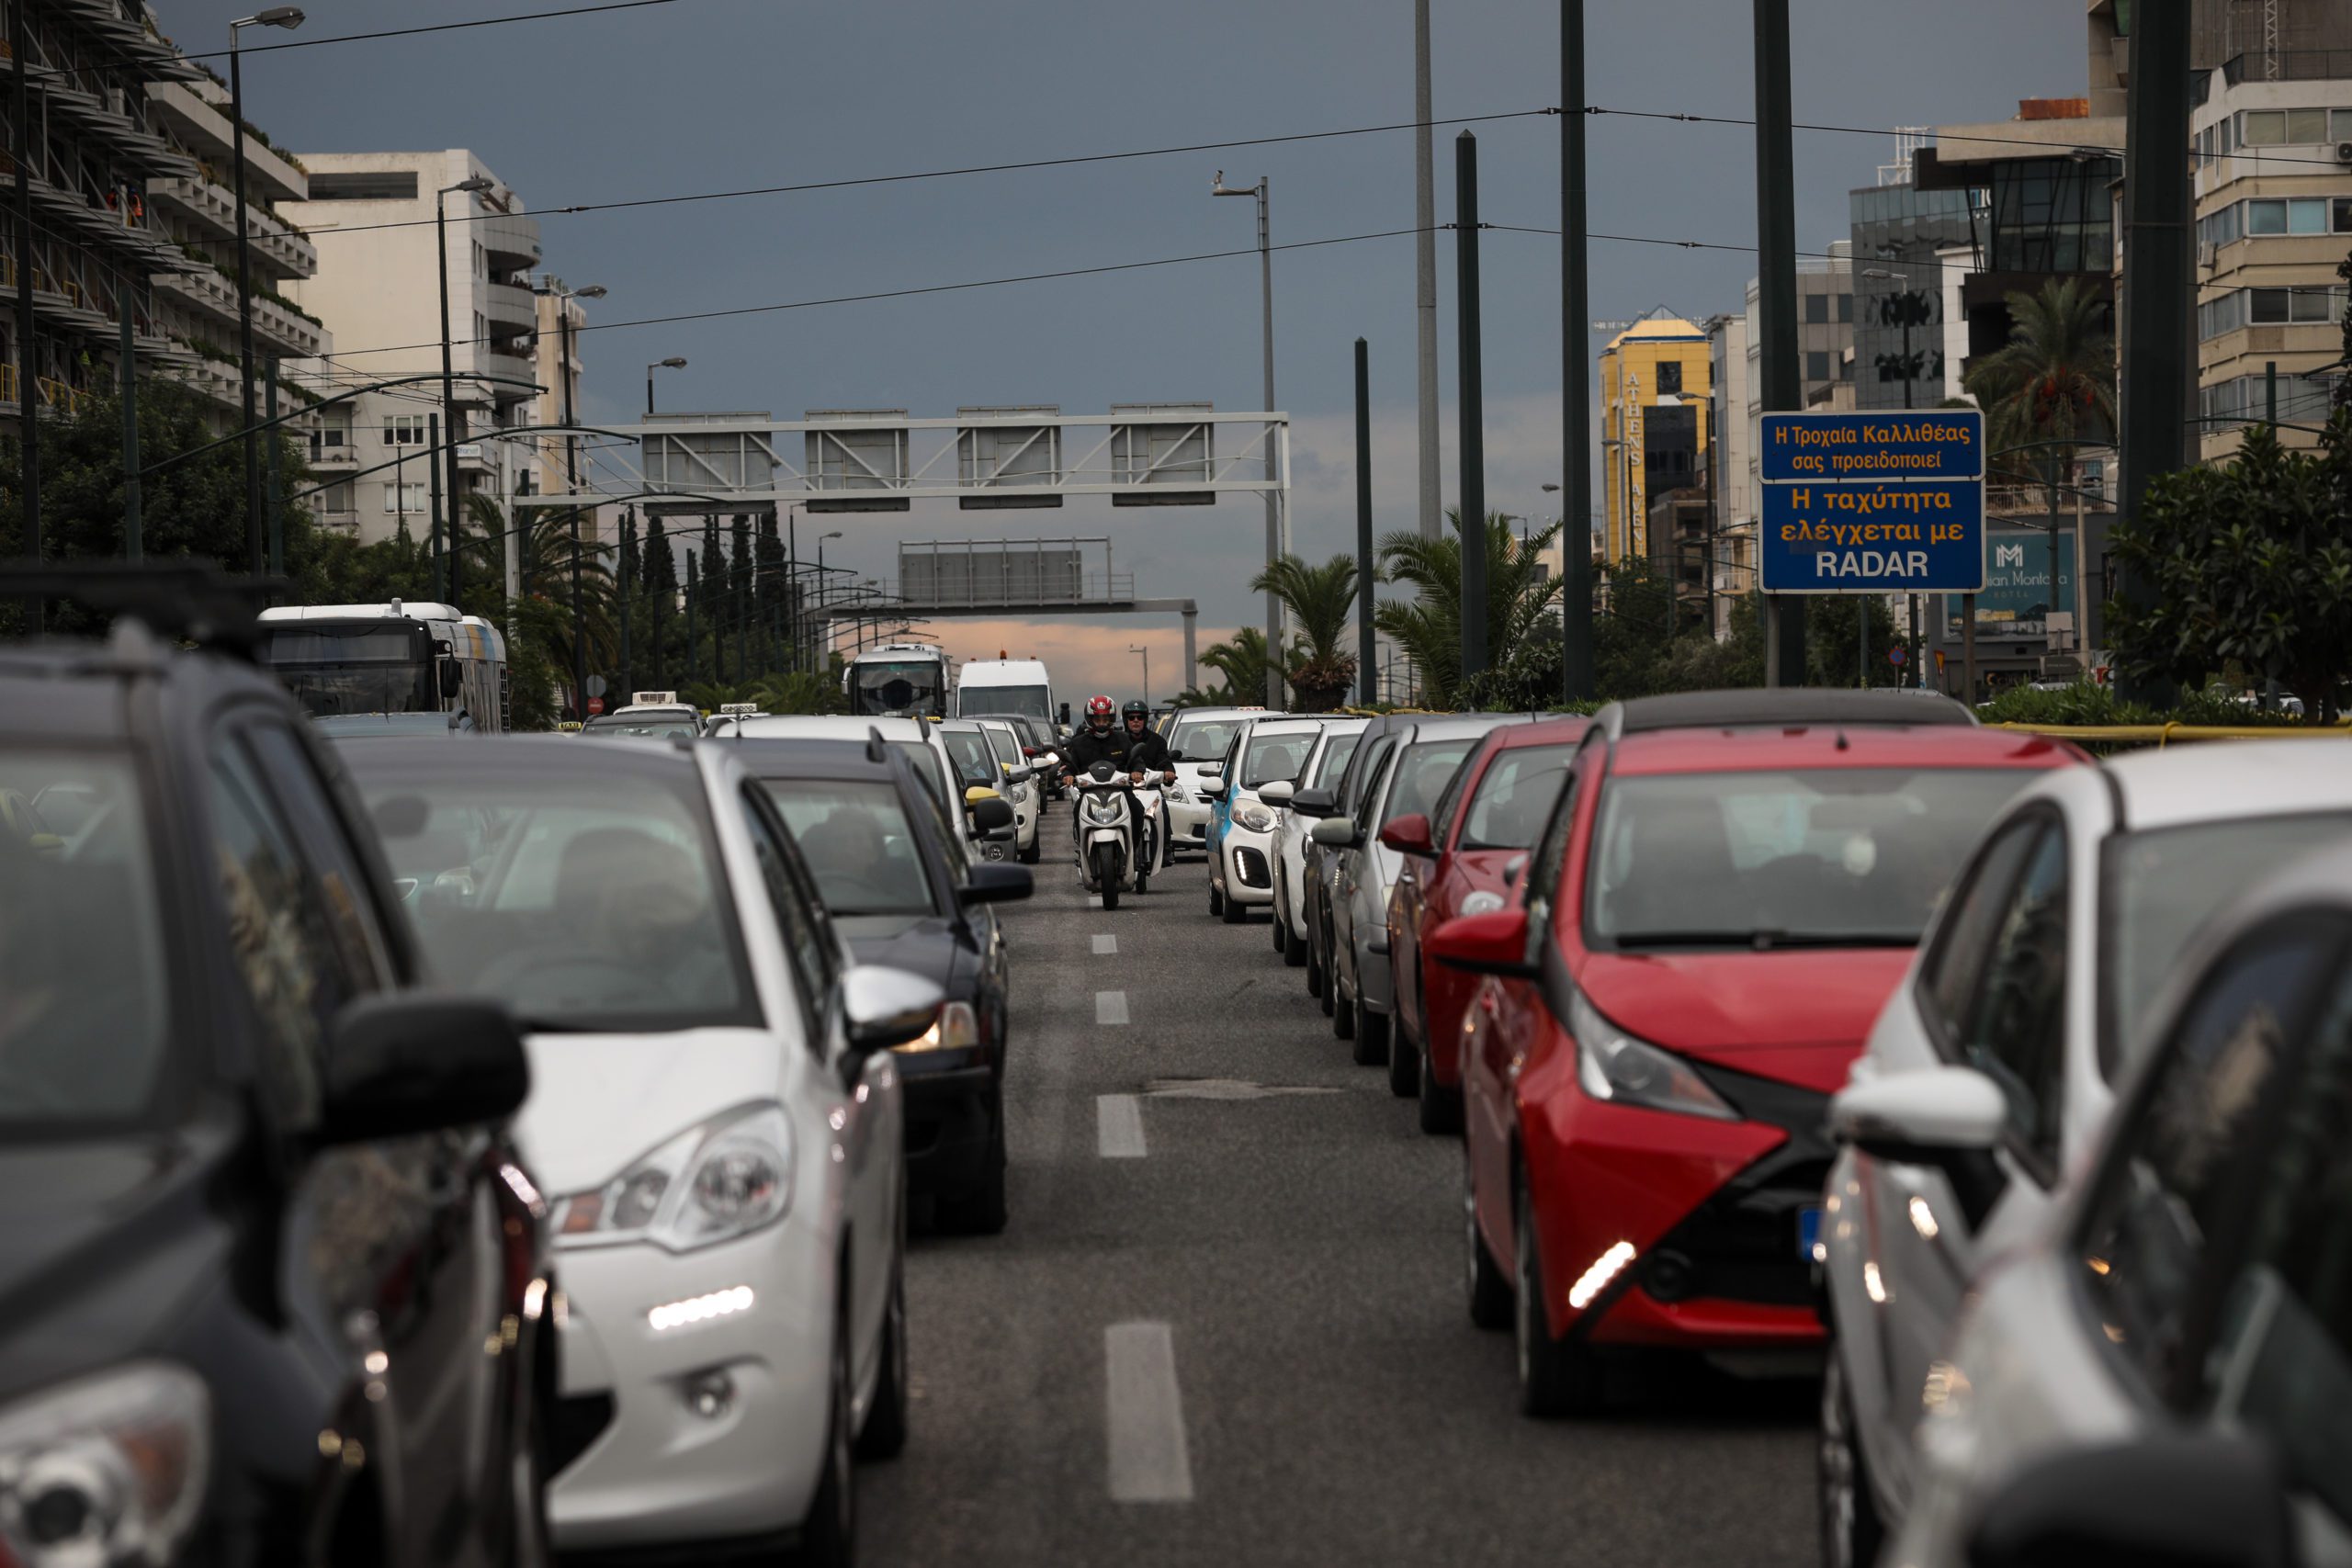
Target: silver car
(1294, 921)
(2163, 1372)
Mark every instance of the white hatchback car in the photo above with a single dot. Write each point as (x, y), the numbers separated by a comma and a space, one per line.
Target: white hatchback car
(1020, 784)
(1271, 750)
(714, 1103)
(2066, 921)
(2162, 1373)
(1197, 736)
(1293, 821)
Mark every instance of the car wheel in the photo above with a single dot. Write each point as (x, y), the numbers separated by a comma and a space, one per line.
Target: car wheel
(1035, 850)
(1342, 1011)
(829, 1535)
(981, 1210)
(1371, 1033)
(1236, 911)
(1317, 981)
(1282, 920)
(1489, 1291)
(1851, 1531)
(1294, 949)
(1404, 1059)
(1441, 1107)
(1217, 901)
(1556, 1376)
(884, 1432)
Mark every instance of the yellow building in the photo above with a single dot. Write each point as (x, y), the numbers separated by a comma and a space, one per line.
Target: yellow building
(1656, 423)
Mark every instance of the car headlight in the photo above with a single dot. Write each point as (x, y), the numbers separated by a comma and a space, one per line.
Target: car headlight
(713, 1182)
(109, 1470)
(956, 1028)
(1482, 902)
(1257, 818)
(1103, 808)
(1613, 1066)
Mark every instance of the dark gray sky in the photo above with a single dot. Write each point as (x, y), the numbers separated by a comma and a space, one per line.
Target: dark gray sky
(708, 95)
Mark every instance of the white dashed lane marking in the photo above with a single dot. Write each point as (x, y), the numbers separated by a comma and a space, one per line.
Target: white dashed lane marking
(1118, 1127)
(1109, 1007)
(1106, 944)
(1144, 1413)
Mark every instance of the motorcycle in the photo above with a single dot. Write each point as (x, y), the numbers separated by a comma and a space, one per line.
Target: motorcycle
(1118, 832)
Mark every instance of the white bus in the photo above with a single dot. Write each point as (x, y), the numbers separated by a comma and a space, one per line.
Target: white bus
(390, 658)
(1004, 685)
(899, 680)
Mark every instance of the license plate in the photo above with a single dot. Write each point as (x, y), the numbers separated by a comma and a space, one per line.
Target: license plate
(1809, 1234)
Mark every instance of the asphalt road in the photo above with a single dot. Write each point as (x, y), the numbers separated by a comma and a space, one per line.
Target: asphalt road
(1226, 1323)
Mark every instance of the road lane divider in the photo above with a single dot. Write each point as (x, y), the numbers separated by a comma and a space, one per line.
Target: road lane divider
(1150, 1461)
(1106, 944)
(1118, 1127)
(1109, 1007)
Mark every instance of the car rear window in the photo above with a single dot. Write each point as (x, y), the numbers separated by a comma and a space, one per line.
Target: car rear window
(1515, 798)
(1203, 739)
(1272, 757)
(1422, 773)
(1334, 760)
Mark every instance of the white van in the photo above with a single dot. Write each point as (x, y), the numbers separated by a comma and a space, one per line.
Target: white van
(1003, 686)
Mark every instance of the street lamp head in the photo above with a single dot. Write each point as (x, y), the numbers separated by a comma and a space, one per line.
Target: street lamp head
(1882, 273)
(675, 362)
(1549, 489)
(270, 17)
(594, 291)
(834, 534)
(472, 184)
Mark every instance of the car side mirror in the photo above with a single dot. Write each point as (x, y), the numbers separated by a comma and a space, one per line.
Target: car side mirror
(1175, 756)
(1020, 776)
(1921, 1117)
(1314, 802)
(1213, 769)
(992, 814)
(1408, 834)
(453, 678)
(405, 1063)
(1492, 943)
(993, 881)
(1336, 832)
(2209, 1498)
(882, 1007)
(1211, 786)
(1514, 870)
(1277, 792)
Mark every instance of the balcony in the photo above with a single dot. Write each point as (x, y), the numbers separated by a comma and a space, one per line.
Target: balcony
(513, 241)
(509, 307)
(277, 248)
(491, 360)
(329, 458)
(206, 128)
(284, 334)
(53, 396)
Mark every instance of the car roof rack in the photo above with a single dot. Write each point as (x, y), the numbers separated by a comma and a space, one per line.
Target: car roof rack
(1790, 706)
(183, 599)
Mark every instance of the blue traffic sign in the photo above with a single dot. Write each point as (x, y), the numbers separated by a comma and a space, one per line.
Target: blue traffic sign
(1934, 444)
(1890, 537)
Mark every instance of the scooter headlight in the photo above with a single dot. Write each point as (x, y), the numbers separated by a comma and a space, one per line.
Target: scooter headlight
(1103, 808)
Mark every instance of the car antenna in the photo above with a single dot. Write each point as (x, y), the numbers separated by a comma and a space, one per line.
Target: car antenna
(1841, 737)
(874, 752)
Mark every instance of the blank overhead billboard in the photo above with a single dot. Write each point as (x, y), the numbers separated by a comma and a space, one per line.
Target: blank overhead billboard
(990, 576)
(991, 456)
(1159, 449)
(857, 467)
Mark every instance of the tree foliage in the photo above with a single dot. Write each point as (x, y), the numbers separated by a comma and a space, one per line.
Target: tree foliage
(1429, 627)
(1322, 600)
(2054, 381)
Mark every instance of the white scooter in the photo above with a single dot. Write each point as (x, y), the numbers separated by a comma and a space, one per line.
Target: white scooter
(1119, 842)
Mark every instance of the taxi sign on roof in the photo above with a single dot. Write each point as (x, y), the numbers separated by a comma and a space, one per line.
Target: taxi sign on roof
(653, 699)
(1934, 444)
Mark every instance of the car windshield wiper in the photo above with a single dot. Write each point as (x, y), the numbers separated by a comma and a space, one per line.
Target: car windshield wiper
(1763, 941)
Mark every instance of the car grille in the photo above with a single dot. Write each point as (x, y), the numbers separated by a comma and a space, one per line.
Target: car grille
(1741, 1244)
(579, 1420)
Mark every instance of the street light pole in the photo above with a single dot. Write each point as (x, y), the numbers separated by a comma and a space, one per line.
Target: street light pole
(448, 382)
(27, 359)
(275, 16)
(563, 298)
(824, 595)
(1274, 502)
(675, 362)
(1134, 648)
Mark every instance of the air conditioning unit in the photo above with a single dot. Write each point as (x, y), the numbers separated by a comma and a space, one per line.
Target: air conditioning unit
(2344, 152)
(2205, 253)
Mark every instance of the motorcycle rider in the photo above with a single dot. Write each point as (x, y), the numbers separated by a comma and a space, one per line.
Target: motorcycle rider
(1131, 747)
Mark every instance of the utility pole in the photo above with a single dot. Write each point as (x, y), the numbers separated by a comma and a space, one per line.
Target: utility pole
(1274, 502)
(1432, 507)
(628, 603)
(433, 469)
(1367, 678)
(1470, 399)
(272, 485)
(1576, 406)
(2158, 289)
(134, 537)
(1776, 296)
(28, 361)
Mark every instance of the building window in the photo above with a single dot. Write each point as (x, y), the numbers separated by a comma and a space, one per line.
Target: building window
(335, 500)
(404, 498)
(1669, 376)
(2340, 215)
(2283, 128)
(390, 185)
(404, 430)
(1816, 363)
(1817, 307)
(1845, 309)
(2302, 215)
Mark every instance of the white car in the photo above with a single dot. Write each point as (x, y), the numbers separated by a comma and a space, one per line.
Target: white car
(1293, 821)
(1198, 736)
(1020, 784)
(2162, 1372)
(918, 737)
(715, 1110)
(2056, 935)
(1272, 749)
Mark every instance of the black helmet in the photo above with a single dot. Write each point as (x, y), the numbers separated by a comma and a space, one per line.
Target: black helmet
(1134, 710)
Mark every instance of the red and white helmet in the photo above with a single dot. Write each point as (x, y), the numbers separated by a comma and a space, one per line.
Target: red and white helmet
(1098, 707)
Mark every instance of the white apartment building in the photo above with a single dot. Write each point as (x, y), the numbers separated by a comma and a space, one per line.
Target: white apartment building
(370, 215)
(2274, 220)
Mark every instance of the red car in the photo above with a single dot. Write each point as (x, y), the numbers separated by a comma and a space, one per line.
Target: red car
(1459, 861)
(1729, 888)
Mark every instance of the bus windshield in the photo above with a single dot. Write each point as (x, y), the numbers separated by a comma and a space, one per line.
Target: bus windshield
(375, 668)
(1034, 701)
(902, 688)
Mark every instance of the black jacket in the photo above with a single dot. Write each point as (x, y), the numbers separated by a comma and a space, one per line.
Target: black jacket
(1128, 753)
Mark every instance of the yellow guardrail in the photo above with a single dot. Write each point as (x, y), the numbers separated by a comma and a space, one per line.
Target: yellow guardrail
(2160, 735)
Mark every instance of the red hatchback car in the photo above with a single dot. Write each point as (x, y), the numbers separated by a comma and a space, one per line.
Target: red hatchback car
(1459, 861)
(1728, 889)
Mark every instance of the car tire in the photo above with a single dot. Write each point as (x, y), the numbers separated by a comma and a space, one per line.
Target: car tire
(884, 1432)
(1371, 1033)
(1556, 1376)
(1489, 1287)
(1236, 911)
(829, 1535)
(1316, 982)
(1217, 901)
(1035, 852)
(1404, 1059)
(1342, 1011)
(1282, 920)
(526, 1523)
(1851, 1531)
(1294, 946)
(1441, 1107)
(981, 1209)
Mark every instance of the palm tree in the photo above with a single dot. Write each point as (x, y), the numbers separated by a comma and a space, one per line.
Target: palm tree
(1241, 662)
(1322, 600)
(1429, 627)
(2054, 381)
(545, 548)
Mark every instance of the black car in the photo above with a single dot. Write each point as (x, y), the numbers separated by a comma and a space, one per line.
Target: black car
(272, 1283)
(905, 891)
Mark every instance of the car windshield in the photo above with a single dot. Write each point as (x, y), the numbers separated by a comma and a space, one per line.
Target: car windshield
(585, 898)
(2149, 922)
(1271, 757)
(84, 1008)
(1422, 773)
(1333, 761)
(1515, 796)
(1203, 739)
(1032, 700)
(657, 725)
(1829, 857)
(858, 844)
(347, 726)
(974, 760)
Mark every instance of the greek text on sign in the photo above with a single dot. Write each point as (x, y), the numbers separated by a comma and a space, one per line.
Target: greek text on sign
(1890, 536)
(1940, 443)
